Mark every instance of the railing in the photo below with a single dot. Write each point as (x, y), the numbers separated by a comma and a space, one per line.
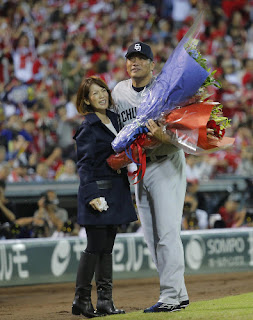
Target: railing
(26, 195)
(34, 189)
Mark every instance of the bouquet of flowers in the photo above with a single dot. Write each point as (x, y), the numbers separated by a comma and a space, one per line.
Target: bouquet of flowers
(177, 98)
(188, 127)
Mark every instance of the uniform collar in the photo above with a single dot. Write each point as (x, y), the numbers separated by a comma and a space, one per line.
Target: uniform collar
(143, 89)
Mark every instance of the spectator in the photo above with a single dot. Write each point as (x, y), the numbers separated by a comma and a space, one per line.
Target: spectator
(19, 173)
(23, 58)
(54, 161)
(72, 70)
(16, 149)
(28, 129)
(243, 136)
(180, 11)
(7, 208)
(65, 132)
(42, 172)
(68, 171)
(232, 212)
(199, 167)
(49, 217)
(45, 141)
(247, 78)
(13, 140)
(13, 125)
(231, 74)
(71, 108)
(2, 155)
(41, 67)
(6, 62)
(193, 217)
(245, 167)
(5, 170)
(51, 212)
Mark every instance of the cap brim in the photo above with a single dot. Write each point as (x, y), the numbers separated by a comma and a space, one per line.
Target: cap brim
(140, 53)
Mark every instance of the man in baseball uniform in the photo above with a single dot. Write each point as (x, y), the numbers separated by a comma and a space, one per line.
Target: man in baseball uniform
(160, 194)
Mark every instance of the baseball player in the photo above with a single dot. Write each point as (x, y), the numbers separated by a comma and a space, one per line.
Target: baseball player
(160, 195)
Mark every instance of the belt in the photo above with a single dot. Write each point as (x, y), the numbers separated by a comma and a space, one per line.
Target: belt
(104, 184)
(155, 158)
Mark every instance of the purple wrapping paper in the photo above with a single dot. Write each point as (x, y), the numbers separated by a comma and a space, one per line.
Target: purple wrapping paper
(180, 78)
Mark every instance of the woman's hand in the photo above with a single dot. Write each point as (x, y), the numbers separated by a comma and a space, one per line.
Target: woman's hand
(157, 132)
(95, 203)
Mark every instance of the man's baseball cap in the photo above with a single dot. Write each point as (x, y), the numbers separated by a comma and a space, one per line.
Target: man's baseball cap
(142, 48)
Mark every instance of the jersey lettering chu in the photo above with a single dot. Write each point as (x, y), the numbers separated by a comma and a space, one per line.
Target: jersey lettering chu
(127, 101)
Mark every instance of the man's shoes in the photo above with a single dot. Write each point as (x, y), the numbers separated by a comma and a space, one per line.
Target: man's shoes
(162, 307)
(184, 304)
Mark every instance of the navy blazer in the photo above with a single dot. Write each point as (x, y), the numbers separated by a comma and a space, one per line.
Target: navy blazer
(93, 141)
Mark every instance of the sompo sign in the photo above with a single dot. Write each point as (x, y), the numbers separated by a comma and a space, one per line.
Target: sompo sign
(35, 261)
(220, 245)
(219, 251)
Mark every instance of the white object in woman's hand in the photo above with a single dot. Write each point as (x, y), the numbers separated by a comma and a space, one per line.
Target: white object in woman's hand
(99, 204)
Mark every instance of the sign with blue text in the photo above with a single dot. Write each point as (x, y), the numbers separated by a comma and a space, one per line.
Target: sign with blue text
(35, 261)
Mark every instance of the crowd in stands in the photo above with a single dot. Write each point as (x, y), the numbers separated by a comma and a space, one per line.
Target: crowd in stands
(47, 47)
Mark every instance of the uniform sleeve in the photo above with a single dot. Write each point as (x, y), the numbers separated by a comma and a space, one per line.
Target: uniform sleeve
(117, 106)
(86, 144)
(114, 97)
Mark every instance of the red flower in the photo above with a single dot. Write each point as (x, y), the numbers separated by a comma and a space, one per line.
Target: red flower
(222, 132)
(211, 124)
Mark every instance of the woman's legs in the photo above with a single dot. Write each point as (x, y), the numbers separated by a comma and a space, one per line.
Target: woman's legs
(82, 302)
(101, 241)
(97, 255)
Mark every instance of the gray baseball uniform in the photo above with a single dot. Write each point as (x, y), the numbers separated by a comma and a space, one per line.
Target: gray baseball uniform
(160, 198)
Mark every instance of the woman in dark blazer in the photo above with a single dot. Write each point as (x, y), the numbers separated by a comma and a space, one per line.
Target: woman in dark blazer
(104, 199)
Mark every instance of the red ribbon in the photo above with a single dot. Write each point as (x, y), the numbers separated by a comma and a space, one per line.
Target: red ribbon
(141, 162)
(135, 153)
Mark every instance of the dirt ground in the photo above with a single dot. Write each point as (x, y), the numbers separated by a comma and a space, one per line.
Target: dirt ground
(53, 301)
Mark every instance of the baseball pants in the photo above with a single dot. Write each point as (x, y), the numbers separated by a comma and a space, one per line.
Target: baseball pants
(160, 199)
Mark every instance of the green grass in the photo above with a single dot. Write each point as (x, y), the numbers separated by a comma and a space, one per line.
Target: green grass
(238, 307)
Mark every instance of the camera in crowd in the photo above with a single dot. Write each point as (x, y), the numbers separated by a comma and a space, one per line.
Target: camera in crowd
(9, 230)
(249, 202)
(249, 217)
(68, 227)
(190, 215)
